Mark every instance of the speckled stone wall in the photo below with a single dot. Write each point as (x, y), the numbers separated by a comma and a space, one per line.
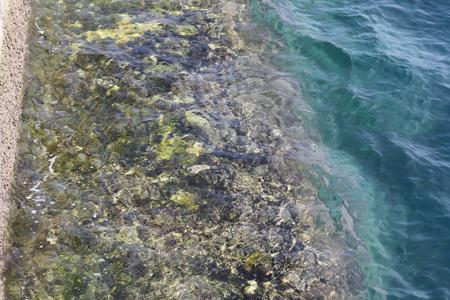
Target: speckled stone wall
(14, 23)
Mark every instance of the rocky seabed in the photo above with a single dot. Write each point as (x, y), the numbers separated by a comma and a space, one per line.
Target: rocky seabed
(161, 159)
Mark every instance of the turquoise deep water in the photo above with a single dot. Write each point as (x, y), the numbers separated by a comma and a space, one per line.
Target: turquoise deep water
(377, 75)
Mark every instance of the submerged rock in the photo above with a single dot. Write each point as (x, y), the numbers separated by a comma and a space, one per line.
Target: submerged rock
(180, 171)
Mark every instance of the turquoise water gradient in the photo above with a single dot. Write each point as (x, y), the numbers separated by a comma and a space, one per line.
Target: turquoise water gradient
(377, 74)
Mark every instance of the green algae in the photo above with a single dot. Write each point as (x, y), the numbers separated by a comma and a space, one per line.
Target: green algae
(186, 199)
(197, 120)
(253, 259)
(187, 153)
(124, 31)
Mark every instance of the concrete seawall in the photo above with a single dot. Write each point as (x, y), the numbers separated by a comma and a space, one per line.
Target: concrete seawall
(14, 27)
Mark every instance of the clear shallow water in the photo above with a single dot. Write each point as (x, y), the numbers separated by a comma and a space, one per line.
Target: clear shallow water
(376, 73)
(160, 159)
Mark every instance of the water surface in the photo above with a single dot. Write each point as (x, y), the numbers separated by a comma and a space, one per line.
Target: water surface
(376, 74)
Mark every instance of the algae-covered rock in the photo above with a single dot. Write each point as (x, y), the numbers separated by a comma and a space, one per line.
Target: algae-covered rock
(124, 30)
(254, 259)
(186, 199)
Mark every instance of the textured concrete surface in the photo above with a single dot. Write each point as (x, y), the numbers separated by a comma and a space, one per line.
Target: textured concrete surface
(14, 25)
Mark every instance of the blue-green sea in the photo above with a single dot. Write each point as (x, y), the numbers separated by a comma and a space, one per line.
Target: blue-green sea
(377, 75)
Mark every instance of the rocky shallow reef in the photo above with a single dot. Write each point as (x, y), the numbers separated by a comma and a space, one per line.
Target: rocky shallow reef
(161, 160)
